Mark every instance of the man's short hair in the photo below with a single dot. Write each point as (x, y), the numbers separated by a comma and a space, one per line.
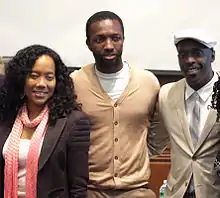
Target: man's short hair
(102, 15)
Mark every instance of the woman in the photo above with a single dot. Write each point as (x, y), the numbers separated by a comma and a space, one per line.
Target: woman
(44, 136)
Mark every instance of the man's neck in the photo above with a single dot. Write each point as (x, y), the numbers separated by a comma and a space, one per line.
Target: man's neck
(108, 69)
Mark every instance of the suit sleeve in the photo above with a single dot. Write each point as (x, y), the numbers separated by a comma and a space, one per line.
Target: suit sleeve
(78, 147)
(158, 137)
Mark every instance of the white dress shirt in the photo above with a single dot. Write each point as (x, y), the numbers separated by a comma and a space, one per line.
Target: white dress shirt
(205, 94)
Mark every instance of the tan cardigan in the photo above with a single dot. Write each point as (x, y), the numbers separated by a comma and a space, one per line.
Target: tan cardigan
(118, 157)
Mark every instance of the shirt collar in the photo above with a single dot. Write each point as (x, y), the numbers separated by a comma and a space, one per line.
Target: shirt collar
(204, 92)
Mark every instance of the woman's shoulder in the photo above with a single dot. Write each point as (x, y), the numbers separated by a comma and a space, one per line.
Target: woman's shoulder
(77, 115)
(78, 120)
(78, 127)
(6, 124)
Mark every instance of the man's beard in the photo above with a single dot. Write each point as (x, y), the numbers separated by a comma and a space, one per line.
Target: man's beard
(100, 60)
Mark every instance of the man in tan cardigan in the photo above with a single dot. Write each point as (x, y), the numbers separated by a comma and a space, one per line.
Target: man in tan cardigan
(120, 101)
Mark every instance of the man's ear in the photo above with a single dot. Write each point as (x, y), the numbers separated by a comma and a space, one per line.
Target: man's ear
(88, 44)
(213, 55)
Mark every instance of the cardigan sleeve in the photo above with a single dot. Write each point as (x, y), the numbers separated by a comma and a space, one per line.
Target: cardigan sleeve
(158, 137)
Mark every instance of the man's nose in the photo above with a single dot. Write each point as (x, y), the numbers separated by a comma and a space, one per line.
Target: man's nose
(190, 59)
(108, 45)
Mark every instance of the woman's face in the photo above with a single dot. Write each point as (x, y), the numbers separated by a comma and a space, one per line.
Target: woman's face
(41, 82)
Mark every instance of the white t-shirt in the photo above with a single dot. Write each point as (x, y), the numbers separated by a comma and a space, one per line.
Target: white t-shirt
(115, 83)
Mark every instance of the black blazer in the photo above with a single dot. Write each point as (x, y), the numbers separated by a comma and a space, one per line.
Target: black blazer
(63, 161)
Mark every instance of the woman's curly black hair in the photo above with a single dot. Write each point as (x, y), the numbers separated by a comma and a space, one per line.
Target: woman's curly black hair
(215, 103)
(63, 100)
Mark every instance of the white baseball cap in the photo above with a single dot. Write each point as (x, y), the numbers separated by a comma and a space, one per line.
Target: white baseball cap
(198, 35)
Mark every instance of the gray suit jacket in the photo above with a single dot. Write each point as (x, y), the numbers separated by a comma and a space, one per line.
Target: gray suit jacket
(185, 159)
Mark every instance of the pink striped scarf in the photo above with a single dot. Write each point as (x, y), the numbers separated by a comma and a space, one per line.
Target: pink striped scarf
(12, 153)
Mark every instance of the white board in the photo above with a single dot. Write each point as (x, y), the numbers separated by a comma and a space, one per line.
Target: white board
(149, 27)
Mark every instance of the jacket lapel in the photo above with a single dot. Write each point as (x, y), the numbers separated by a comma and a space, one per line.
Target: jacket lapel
(50, 140)
(178, 101)
(211, 120)
(207, 128)
(5, 131)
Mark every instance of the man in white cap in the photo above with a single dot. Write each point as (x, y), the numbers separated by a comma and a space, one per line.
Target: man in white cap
(191, 124)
